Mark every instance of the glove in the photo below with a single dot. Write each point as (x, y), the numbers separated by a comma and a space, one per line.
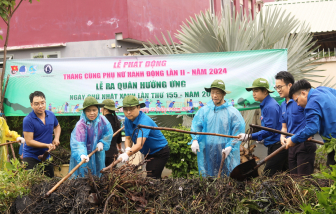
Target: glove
(244, 137)
(100, 146)
(21, 140)
(127, 149)
(124, 157)
(227, 151)
(260, 142)
(121, 150)
(195, 147)
(85, 157)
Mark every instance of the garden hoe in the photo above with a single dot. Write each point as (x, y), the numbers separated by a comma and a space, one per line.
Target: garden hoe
(249, 169)
(75, 168)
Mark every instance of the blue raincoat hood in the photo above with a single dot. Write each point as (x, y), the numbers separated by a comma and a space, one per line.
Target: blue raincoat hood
(84, 139)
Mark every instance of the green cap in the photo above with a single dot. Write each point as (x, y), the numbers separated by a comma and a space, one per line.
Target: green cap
(130, 101)
(90, 101)
(260, 83)
(217, 84)
(109, 104)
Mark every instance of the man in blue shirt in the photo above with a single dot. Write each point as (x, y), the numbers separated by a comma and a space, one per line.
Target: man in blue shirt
(320, 112)
(270, 112)
(38, 128)
(171, 105)
(301, 158)
(149, 142)
(147, 103)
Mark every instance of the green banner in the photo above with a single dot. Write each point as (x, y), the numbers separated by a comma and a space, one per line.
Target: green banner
(167, 84)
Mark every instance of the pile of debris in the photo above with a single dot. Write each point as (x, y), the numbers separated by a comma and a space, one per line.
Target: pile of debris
(127, 190)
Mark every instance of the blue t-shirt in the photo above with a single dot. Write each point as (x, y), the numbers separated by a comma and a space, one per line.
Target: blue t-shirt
(270, 113)
(155, 140)
(320, 114)
(293, 116)
(43, 133)
(171, 105)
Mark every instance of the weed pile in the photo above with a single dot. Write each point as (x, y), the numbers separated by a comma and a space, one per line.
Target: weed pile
(126, 190)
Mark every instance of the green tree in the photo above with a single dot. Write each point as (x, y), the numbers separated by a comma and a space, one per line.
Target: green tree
(7, 10)
(271, 29)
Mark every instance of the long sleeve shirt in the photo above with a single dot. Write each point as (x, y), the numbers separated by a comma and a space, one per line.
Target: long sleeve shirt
(320, 114)
(270, 113)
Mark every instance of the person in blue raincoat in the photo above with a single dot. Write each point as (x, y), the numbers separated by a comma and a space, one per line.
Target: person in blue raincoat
(218, 116)
(91, 131)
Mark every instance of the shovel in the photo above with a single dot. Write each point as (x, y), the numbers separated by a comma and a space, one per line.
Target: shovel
(187, 132)
(249, 169)
(75, 168)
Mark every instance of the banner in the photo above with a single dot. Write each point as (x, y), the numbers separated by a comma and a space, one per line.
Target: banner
(167, 84)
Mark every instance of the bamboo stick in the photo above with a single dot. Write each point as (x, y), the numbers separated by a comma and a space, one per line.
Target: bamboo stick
(187, 132)
(75, 168)
(69, 174)
(13, 153)
(284, 133)
(221, 165)
(11, 142)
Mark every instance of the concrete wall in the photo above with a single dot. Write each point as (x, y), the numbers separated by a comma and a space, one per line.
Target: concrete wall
(100, 48)
(329, 69)
(62, 21)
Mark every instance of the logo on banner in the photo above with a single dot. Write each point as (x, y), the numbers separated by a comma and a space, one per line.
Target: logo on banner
(23, 69)
(48, 69)
(33, 69)
(14, 69)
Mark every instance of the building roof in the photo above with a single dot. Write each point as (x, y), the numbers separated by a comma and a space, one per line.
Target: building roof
(321, 15)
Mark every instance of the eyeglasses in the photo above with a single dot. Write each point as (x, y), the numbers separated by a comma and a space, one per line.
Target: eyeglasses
(279, 87)
(39, 104)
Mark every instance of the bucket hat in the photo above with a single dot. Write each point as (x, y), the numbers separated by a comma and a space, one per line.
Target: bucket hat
(130, 101)
(260, 83)
(109, 104)
(217, 84)
(90, 101)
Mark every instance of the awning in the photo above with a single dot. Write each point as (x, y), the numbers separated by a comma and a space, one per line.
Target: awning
(321, 15)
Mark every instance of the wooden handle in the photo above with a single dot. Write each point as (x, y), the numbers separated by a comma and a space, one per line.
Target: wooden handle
(69, 174)
(111, 165)
(187, 132)
(284, 133)
(270, 156)
(76, 167)
(221, 165)
(11, 142)
(13, 153)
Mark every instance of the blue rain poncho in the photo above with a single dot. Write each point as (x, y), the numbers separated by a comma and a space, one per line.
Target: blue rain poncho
(224, 119)
(84, 139)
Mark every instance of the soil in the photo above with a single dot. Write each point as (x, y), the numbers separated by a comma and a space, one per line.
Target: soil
(125, 190)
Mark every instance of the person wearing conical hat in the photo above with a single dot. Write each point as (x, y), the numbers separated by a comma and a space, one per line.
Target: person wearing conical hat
(270, 117)
(92, 131)
(109, 111)
(217, 116)
(149, 142)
